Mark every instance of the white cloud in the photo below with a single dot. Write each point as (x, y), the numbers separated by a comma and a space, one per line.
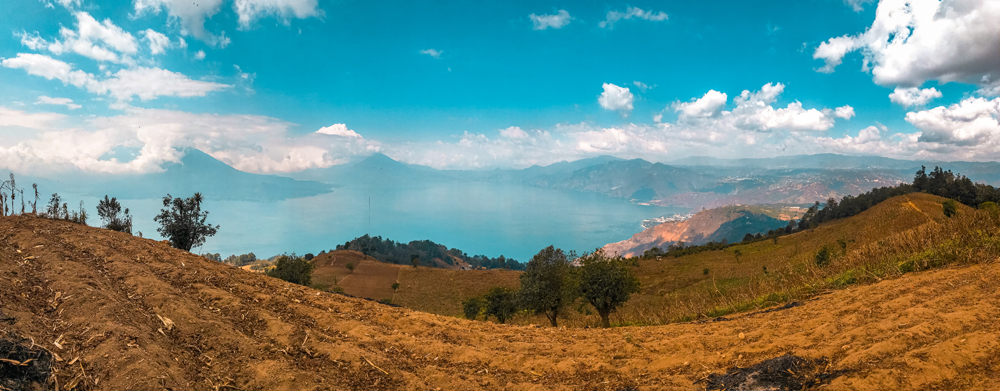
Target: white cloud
(45, 100)
(96, 40)
(17, 118)
(33, 41)
(971, 122)
(643, 86)
(845, 112)
(247, 142)
(432, 52)
(912, 41)
(557, 21)
(616, 98)
(631, 12)
(913, 96)
(857, 5)
(158, 43)
(199, 55)
(141, 82)
(709, 105)
(284, 10)
(69, 3)
(191, 16)
(338, 130)
(513, 132)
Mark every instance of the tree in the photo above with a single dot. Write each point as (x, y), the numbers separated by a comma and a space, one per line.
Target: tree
(183, 222)
(52, 211)
(395, 286)
(990, 207)
(546, 285)
(472, 307)
(350, 267)
(950, 208)
(415, 260)
(293, 269)
(502, 303)
(606, 283)
(114, 218)
(737, 253)
(308, 256)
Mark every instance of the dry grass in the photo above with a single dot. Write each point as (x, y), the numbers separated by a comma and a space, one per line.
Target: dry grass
(441, 291)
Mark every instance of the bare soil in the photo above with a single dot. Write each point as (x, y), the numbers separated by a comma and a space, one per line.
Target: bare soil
(124, 313)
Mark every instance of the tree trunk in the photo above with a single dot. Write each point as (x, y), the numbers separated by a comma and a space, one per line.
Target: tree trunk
(552, 315)
(605, 318)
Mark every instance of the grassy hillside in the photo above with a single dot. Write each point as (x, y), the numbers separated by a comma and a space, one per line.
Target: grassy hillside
(99, 310)
(435, 290)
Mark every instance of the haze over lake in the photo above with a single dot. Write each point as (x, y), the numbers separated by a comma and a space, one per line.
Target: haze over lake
(478, 218)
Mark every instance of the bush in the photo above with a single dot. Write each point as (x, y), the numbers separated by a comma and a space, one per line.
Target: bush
(395, 286)
(293, 269)
(606, 283)
(501, 303)
(183, 223)
(472, 307)
(350, 267)
(114, 218)
(823, 256)
(950, 208)
(705, 272)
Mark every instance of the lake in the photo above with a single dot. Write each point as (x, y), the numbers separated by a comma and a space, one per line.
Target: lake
(479, 218)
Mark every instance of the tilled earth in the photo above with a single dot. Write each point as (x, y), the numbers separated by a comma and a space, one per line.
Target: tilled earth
(124, 313)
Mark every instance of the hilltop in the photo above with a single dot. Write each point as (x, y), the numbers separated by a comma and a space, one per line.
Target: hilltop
(129, 313)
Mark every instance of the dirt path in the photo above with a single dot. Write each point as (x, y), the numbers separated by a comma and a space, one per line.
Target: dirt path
(914, 206)
(99, 293)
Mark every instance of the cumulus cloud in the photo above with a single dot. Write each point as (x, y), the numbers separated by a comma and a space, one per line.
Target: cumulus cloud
(199, 55)
(144, 83)
(45, 100)
(971, 122)
(616, 98)
(709, 105)
(513, 132)
(432, 52)
(557, 21)
(33, 41)
(158, 43)
(96, 40)
(191, 16)
(630, 13)
(338, 130)
(911, 42)
(845, 112)
(913, 96)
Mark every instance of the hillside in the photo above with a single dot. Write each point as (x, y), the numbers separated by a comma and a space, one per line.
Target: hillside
(729, 222)
(428, 289)
(128, 313)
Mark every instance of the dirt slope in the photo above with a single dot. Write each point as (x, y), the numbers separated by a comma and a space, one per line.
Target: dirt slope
(99, 293)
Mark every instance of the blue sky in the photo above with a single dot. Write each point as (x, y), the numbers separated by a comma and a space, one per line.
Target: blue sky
(286, 85)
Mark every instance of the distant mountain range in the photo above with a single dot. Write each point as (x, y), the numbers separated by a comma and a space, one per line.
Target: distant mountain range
(694, 182)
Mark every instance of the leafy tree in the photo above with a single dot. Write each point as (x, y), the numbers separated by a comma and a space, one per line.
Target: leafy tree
(547, 284)
(52, 210)
(950, 208)
(308, 256)
(606, 283)
(472, 307)
(395, 286)
(183, 222)
(350, 267)
(293, 269)
(501, 302)
(415, 260)
(112, 215)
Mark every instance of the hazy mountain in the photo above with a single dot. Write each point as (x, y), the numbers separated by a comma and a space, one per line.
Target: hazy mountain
(199, 172)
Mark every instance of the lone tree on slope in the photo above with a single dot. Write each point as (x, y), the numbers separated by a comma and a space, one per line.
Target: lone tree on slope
(501, 302)
(546, 285)
(183, 222)
(114, 218)
(606, 283)
(293, 269)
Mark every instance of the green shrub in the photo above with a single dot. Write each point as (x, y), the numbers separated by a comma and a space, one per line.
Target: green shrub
(293, 269)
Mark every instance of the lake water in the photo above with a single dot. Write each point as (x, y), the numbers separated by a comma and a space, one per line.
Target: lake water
(478, 218)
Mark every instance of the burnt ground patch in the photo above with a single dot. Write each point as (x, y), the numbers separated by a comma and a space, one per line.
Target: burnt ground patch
(23, 365)
(788, 372)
